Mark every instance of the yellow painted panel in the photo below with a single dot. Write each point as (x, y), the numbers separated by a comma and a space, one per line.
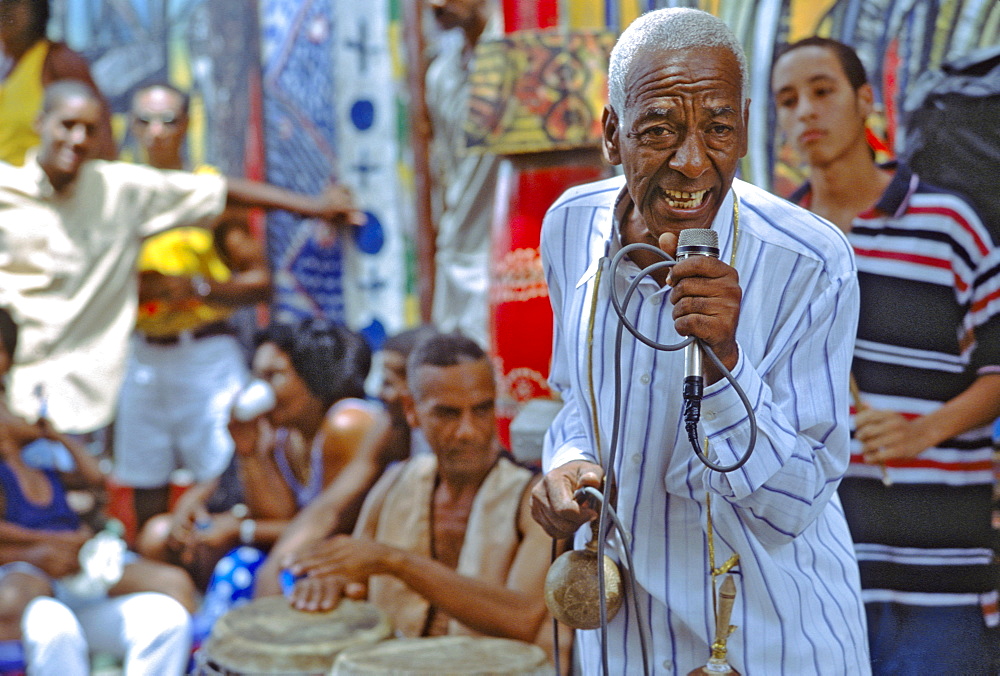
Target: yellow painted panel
(583, 13)
(804, 17)
(629, 11)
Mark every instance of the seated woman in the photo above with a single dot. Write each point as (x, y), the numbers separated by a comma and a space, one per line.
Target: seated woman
(285, 456)
(93, 582)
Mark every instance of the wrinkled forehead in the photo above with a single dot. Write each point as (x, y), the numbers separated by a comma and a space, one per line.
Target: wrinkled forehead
(690, 72)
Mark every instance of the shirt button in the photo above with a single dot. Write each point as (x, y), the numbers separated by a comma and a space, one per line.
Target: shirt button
(709, 415)
(644, 379)
(668, 665)
(656, 300)
(637, 458)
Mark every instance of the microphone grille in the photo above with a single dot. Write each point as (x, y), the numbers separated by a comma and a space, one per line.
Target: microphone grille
(698, 237)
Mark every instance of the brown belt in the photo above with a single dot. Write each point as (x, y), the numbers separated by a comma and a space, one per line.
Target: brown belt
(213, 329)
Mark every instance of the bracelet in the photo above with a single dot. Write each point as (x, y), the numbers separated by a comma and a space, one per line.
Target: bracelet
(248, 528)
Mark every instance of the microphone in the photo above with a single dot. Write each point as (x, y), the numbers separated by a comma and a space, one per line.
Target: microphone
(695, 242)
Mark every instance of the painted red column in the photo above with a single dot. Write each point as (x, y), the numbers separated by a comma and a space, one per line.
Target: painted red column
(521, 316)
(553, 90)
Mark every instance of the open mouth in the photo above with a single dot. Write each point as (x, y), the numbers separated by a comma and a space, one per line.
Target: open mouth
(69, 157)
(679, 199)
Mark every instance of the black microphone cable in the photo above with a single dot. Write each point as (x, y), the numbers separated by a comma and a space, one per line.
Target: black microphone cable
(691, 427)
(691, 421)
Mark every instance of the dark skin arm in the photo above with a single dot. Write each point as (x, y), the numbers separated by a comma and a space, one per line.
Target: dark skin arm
(272, 508)
(19, 431)
(334, 205)
(56, 556)
(267, 495)
(333, 511)
(512, 610)
(88, 472)
(887, 435)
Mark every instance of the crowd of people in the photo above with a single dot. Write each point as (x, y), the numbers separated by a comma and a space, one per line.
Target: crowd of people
(847, 336)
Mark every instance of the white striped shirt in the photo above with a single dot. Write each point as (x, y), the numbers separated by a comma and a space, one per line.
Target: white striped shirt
(798, 607)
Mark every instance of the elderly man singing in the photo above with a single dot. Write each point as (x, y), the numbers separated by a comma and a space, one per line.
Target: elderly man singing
(778, 308)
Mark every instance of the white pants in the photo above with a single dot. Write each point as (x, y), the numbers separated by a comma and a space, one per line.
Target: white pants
(151, 632)
(173, 409)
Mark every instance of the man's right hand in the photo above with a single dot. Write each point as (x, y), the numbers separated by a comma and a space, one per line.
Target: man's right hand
(337, 206)
(324, 592)
(553, 504)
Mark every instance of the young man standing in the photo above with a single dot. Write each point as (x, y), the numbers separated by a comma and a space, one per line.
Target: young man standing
(185, 363)
(927, 366)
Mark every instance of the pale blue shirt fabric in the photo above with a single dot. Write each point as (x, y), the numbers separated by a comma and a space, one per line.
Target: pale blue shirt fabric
(798, 607)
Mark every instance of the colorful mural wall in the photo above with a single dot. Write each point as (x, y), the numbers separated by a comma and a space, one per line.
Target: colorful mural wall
(277, 93)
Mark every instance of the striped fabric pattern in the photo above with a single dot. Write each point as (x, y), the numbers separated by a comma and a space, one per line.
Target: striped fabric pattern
(929, 274)
(798, 606)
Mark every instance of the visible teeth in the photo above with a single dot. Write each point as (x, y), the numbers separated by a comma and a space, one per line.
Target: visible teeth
(679, 199)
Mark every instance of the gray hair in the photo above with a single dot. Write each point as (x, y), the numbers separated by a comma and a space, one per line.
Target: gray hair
(671, 28)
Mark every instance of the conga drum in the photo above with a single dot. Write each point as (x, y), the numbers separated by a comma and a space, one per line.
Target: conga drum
(443, 656)
(268, 636)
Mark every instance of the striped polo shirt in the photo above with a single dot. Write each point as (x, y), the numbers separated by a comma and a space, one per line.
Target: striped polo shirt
(929, 275)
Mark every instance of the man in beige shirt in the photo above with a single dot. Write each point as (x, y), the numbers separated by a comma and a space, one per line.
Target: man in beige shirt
(70, 232)
(445, 543)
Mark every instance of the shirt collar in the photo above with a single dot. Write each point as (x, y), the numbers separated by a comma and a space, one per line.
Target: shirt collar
(722, 224)
(896, 198)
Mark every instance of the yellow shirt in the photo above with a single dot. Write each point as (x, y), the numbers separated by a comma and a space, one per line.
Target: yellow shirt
(20, 101)
(67, 272)
(181, 252)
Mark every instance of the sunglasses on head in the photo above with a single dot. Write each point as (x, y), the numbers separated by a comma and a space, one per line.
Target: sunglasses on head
(163, 118)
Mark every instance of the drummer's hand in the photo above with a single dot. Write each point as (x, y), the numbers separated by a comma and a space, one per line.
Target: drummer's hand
(552, 503)
(324, 592)
(351, 557)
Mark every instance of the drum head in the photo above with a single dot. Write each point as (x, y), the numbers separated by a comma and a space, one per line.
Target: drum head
(443, 656)
(268, 636)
